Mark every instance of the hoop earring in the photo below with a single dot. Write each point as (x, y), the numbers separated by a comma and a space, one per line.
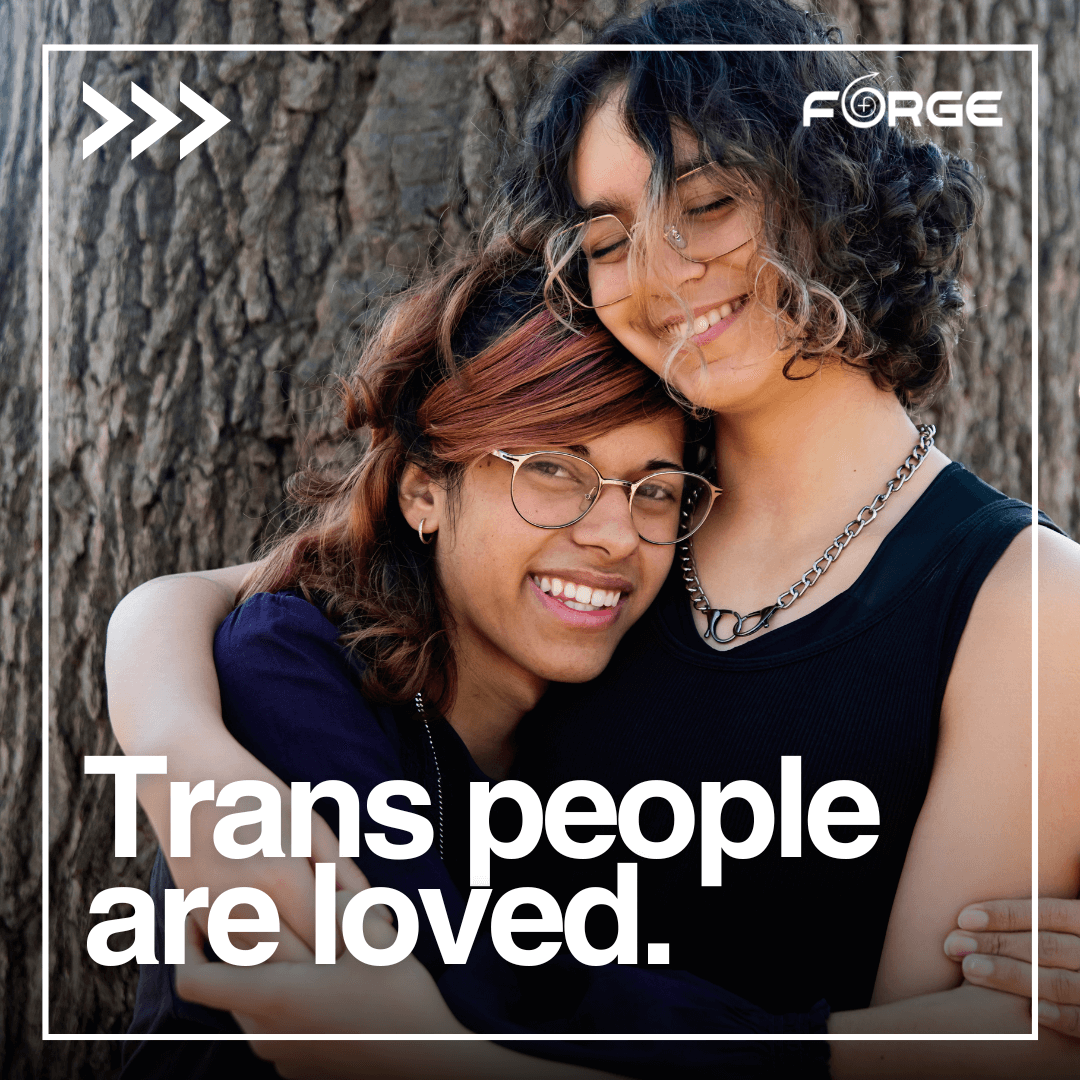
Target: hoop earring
(420, 533)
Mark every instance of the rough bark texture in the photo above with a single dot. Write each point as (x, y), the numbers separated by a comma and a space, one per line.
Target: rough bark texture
(198, 305)
(20, 546)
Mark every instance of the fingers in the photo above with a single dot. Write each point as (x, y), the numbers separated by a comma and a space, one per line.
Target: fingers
(1059, 950)
(291, 884)
(350, 876)
(1055, 950)
(1059, 985)
(999, 973)
(379, 931)
(1062, 916)
(1055, 914)
(290, 947)
(194, 938)
(344, 897)
(1056, 984)
(324, 848)
(1017, 945)
(1008, 915)
(1064, 1019)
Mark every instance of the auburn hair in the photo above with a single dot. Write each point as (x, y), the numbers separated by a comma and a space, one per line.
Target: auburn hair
(464, 363)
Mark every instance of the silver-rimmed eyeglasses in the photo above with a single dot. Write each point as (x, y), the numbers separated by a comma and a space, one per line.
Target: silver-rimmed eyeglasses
(552, 489)
(596, 252)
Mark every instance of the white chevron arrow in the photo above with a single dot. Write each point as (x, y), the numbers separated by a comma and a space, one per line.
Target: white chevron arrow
(164, 120)
(115, 120)
(212, 120)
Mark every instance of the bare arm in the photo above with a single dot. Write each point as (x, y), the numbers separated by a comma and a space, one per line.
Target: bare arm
(972, 836)
(349, 996)
(972, 839)
(164, 700)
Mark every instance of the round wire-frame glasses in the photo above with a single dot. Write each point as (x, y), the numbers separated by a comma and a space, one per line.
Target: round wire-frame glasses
(709, 220)
(544, 495)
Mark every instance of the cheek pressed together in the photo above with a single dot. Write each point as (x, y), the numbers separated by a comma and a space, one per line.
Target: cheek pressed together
(698, 290)
(554, 598)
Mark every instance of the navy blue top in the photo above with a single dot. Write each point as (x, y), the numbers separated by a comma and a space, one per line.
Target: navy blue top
(853, 687)
(291, 695)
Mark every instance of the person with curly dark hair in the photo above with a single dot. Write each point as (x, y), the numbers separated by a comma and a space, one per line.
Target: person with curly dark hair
(800, 284)
(857, 232)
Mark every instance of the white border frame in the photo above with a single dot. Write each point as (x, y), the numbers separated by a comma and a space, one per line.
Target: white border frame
(47, 50)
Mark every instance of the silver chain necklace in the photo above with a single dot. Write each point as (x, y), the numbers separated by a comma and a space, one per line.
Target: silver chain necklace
(419, 702)
(832, 553)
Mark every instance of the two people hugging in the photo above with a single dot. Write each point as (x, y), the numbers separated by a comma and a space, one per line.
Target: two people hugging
(600, 460)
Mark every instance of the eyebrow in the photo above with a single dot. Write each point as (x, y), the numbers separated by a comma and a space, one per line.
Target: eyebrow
(655, 465)
(601, 206)
(615, 207)
(659, 465)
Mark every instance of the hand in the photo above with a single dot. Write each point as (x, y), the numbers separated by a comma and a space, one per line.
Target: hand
(1001, 930)
(300, 996)
(288, 881)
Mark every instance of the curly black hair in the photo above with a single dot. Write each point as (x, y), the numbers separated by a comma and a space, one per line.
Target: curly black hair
(862, 225)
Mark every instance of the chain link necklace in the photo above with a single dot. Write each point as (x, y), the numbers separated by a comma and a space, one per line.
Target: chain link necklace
(419, 702)
(831, 554)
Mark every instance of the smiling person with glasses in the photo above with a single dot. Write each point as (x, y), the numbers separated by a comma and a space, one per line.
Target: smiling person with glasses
(434, 589)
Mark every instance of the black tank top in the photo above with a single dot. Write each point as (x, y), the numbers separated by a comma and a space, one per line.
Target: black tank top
(854, 688)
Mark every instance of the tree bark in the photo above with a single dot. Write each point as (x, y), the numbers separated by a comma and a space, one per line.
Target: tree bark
(199, 306)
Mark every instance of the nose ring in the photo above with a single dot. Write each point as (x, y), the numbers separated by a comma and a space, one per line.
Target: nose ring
(675, 238)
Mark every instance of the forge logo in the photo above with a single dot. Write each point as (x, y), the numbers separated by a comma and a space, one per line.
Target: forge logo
(867, 106)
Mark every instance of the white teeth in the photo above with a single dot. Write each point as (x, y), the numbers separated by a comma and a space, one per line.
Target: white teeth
(578, 597)
(710, 318)
(583, 607)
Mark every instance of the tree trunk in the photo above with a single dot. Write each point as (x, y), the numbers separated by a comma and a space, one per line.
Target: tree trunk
(199, 305)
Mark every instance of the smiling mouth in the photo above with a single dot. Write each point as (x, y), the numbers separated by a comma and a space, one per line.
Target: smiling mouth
(709, 319)
(575, 596)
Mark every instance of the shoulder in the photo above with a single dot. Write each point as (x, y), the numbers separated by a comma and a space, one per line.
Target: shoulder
(282, 673)
(1059, 625)
(287, 613)
(282, 626)
(280, 649)
(1008, 585)
(995, 645)
(1059, 575)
